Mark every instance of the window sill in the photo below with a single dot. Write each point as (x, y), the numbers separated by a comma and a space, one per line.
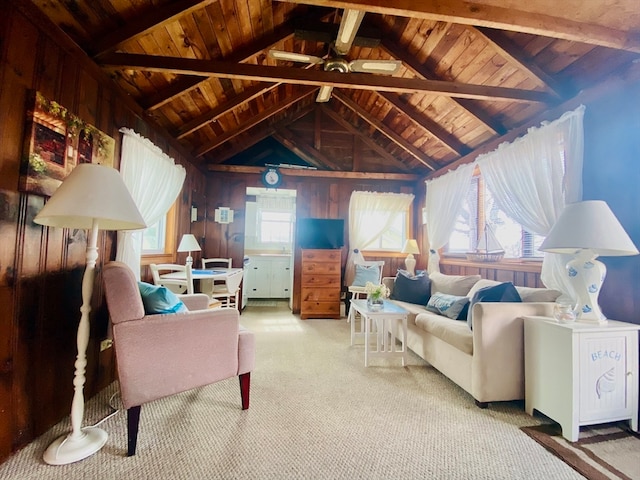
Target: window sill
(509, 264)
(157, 258)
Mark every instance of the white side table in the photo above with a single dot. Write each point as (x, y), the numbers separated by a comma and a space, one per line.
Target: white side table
(387, 322)
(581, 374)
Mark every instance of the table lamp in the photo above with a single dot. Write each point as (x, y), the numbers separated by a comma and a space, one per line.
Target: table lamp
(410, 247)
(92, 197)
(188, 243)
(586, 230)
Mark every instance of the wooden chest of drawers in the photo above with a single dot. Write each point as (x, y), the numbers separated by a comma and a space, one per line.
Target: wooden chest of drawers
(321, 284)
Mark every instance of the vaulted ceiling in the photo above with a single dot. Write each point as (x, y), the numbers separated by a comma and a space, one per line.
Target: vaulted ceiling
(469, 72)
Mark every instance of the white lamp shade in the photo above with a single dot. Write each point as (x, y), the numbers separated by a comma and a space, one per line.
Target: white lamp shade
(589, 225)
(92, 192)
(189, 243)
(411, 246)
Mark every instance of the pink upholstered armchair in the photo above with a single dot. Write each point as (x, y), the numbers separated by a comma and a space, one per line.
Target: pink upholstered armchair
(164, 354)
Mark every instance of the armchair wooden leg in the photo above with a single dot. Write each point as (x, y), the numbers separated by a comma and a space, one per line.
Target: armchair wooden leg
(245, 382)
(482, 404)
(133, 422)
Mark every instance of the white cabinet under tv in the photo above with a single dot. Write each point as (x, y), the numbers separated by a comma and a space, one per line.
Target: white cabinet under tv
(268, 276)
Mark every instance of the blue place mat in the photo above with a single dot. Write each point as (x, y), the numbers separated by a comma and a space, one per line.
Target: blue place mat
(207, 272)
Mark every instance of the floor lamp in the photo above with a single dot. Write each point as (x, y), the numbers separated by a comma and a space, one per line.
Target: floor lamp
(92, 197)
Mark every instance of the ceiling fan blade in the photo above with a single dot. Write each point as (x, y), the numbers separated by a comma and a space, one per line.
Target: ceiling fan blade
(349, 25)
(324, 94)
(387, 67)
(294, 57)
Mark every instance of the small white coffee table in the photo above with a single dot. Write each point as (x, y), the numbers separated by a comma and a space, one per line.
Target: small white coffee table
(387, 322)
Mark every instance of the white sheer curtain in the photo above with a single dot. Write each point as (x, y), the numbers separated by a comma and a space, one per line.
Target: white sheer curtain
(444, 199)
(534, 177)
(362, 231)
(154, 181)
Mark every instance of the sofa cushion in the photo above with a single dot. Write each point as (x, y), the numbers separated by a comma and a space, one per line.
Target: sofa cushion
(452, 306)
(366, 273)
(455, 333)
(482, 283)
(529, 294)
(411, 288)
(159, 299)
(503, 292)
(452, 284)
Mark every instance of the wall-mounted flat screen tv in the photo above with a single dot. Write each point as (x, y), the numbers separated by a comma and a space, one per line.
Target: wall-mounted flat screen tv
(322, 233)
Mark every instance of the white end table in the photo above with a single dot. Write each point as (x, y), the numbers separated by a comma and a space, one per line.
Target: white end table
(581, 374)
(387, 322)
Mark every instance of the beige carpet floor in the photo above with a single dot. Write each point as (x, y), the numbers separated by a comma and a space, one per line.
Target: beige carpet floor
(316, 413)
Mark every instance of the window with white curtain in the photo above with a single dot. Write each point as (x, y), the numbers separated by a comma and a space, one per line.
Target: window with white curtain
(480, 208)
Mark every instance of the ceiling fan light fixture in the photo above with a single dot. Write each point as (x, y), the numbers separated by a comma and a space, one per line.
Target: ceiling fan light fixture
(351, 20)
(294, 57)
(324, 94)
(338, 64)
(388, 67)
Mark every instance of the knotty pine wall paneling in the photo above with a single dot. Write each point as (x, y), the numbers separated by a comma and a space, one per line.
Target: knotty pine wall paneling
(41, 268)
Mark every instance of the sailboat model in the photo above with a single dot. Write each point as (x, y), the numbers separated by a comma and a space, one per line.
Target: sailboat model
(488, 249)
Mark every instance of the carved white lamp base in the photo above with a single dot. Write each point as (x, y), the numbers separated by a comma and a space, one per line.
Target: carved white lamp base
(586, 275)
(410, 263)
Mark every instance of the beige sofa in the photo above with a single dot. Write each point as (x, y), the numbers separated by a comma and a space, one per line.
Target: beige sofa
(488, 361)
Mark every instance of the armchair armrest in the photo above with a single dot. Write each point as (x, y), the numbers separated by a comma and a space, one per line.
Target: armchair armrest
(159, 355)
(195, 301)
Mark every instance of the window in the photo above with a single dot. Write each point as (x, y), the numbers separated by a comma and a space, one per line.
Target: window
(158, 241)
(394, 237)
(480, 209)
(154, 238)
(275, 227)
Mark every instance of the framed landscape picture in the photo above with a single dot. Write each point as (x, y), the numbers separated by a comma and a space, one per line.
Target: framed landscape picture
(55, 141)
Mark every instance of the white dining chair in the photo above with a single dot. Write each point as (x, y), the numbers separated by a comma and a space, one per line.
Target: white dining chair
(209, 263)
(177, 285)
(228, 290)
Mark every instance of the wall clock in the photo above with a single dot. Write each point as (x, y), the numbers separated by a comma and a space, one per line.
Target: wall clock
(271, 177)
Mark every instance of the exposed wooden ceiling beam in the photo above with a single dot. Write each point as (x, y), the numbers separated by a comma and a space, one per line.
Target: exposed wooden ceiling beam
(266, 114)
(365, 138)
(514, 55)
(207, 117)
(303, 172)
(448, 140)
(188, 83)
(410, 62)
(154, 18)
(386, 131)
(502, 18)
(260, 134)
(360, 81)
(305, 151)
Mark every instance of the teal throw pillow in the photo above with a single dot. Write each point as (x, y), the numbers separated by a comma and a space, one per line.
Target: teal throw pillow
(366, 273)
(159, 299)
(451, 306)
(503, 292)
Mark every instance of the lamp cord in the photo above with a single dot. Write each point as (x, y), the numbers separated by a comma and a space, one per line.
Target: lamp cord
(115, 410)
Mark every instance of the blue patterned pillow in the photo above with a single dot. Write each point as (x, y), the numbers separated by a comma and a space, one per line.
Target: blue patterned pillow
(159, 299)
(451, 306)
(366, 273)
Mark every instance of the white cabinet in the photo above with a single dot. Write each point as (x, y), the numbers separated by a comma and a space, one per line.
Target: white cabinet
(580, 374)
(269, 276)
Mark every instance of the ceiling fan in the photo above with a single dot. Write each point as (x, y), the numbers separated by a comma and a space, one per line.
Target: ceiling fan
(349, 25)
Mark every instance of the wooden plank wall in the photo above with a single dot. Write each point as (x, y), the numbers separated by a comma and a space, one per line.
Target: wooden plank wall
(41, 269)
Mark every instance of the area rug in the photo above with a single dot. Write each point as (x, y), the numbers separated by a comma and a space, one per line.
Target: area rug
(608, 451)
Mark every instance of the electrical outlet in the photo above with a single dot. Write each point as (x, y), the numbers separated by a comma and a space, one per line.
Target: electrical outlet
(104, 344)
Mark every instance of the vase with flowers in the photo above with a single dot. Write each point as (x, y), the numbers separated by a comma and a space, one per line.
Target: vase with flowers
(376, 295)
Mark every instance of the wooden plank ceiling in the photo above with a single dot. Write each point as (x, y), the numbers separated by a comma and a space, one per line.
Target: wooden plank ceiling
(470, 73)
